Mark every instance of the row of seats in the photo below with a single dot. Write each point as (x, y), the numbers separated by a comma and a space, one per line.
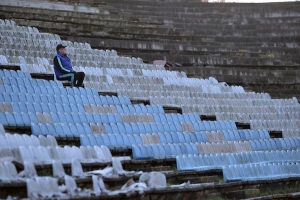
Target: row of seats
(275, 124)
(19, 82)
(261, 171)
(132, 128)
(127, 140)
(17, 119)
(41, 154)
(150, 150)
(171, 150)
(88, 108)
(60, 99)
(15, 140)
(276, 143)
(129, 75)
(130, 109)
(113, 141)
(217, 161)
(14, 74)
(290, 133)
(74, 130)
(79, 117)
(221, 108)
(251, 145)
(199, 100)
(55, 87)
(246, 117)
(162, 151)
(114, 117)
(37, 69)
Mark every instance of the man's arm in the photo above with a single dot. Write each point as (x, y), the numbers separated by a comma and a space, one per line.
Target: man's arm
(60, 67)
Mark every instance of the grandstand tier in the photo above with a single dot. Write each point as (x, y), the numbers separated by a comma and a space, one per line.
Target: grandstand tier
(137, 130)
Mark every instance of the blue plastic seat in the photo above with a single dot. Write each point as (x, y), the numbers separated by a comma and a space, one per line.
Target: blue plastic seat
(104, 118)
(156, 117)
(283, 143)
(111, 118)
(115, 128)
(142, 128)
(138, 139)
(73, 131)
(125, 100)
(91, 140)
(160, 109)
(116, 100)
(148, 128)
(18, 119)
(170, 137)
(84, 140)
(226, 135)
(207, 126)
(131, 109)
(115, 140)
(187, 137)
(122, 100)
(135, 128)
(119, 109)
(181, 137)
(87, 128)
(131, 139)
(156, 154)
(162, 137)
(121, 128)
(96, 118)
(143, 108)
(78, 99)
(108, 128)
(118, 118)
(10, 119)
(79, 128)
(196, 126)
(149, 109)
(155, 109)
(178, 127)
(137, 154)
(126, 140)
(128, 128)
(110, 100)
(166, 118)
(241, 134)
(260, 146)
(199, 137)
(54, 117)
(125, 109)
(193, 137)
(87, 99)
(154, 128)
(253, 145)
(170, 127)
(163, 127)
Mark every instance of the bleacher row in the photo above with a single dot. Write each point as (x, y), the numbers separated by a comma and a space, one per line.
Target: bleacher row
(261, 171)
(217, 161)
(45, 148)
(170, 150)
(75, 129)
(126, 140)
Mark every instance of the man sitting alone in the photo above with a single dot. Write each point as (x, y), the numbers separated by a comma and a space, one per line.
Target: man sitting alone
(63, 67)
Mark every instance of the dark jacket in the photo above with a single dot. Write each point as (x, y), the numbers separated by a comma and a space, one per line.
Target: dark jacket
(62, 64)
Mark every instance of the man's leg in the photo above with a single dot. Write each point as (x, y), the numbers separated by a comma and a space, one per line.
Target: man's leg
(78, 79)
(69, 77)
